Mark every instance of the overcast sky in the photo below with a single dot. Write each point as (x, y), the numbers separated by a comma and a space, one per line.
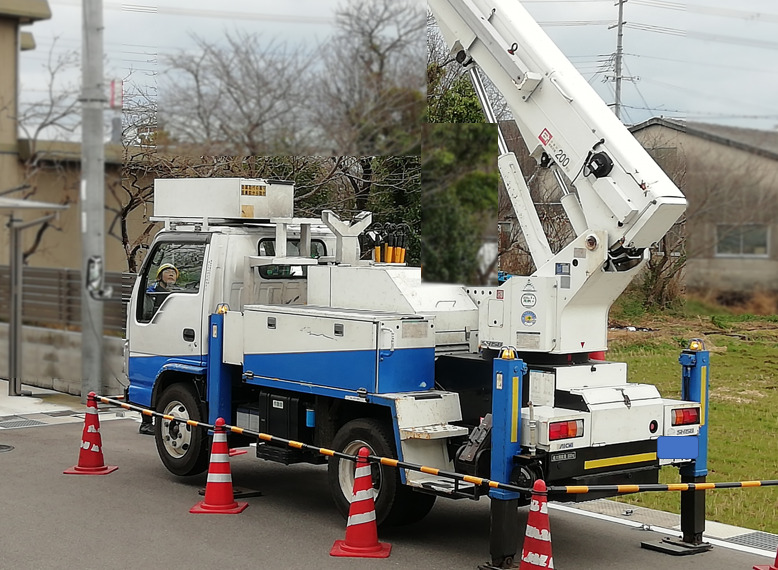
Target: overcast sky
(705, 60)
(139, 34)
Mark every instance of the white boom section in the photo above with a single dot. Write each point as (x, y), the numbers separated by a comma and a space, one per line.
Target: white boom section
(626, 202)
(621, 189)
(518, 192)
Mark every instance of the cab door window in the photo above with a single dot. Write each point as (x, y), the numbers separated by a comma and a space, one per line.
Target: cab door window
(172, 268)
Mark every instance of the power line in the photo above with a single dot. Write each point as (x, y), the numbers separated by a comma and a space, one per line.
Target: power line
(770, 70)
(656, 29)
(700, 114)
(637, 89)
(661, 4)
(750, 42)
(553, 23)
(731, 13)
(706, 95)
(213, 14)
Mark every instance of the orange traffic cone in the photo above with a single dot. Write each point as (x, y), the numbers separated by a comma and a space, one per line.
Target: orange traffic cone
(361, 530)
(90, 457)
(536, 552)
(219, 498)
(773, 566)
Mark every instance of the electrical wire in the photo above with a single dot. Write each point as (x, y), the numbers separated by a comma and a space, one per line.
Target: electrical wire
(731, 13)
(655, 29)
(705, 63)
(660, 4)
(753, 42)
(211, 14)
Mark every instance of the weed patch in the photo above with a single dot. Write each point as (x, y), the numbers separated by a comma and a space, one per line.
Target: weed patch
(743, 411)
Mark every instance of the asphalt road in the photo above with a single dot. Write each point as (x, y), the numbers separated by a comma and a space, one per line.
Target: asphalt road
(137, 517)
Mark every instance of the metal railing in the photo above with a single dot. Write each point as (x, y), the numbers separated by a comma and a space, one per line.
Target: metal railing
(52, 298)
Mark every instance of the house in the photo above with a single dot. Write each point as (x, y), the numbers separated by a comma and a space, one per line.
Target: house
(730, 178)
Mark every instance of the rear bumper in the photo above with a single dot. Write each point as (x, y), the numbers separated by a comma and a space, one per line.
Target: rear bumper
(621, 464)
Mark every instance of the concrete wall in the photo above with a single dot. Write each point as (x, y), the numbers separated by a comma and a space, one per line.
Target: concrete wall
(52, 359)
(732, 274)
(58, 182)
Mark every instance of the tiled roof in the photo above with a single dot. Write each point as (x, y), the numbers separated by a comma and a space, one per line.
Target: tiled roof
(763, 143)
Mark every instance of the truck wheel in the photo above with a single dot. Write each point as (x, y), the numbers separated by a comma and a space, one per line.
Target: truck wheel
(182, 448)
(395, 504)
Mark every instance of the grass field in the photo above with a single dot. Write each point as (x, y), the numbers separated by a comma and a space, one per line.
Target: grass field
(743, 413)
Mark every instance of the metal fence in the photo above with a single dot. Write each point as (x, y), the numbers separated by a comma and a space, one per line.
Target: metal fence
(52, 298)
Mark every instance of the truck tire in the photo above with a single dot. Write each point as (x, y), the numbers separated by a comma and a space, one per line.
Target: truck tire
(395, 504)
(183, 449)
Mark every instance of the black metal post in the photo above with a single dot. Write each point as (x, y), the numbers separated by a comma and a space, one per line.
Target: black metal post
(692, 512)
(503, 534)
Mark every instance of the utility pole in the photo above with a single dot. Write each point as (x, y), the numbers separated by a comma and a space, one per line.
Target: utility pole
(92, 196)
(619, 55)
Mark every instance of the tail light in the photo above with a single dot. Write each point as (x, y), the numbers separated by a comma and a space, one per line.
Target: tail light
(686, 416)
(565, 430)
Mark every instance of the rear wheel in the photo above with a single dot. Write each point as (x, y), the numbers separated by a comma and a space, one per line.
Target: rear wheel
(183, 449)
(395, 504)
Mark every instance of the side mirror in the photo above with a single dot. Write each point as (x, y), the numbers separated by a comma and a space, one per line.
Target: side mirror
(94, 279)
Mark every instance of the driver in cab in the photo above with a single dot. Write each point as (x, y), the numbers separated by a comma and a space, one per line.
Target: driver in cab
(167, 275)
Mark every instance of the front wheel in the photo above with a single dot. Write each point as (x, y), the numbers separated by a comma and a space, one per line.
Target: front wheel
(395, 504)
(182, 448)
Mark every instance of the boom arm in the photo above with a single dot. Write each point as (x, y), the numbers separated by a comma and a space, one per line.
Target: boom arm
(624, 201)
(621, 189)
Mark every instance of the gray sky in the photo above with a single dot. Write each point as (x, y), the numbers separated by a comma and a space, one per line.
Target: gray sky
(705, 60)
(140, 33)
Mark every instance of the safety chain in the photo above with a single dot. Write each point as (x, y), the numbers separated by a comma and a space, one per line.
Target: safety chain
(477, 481)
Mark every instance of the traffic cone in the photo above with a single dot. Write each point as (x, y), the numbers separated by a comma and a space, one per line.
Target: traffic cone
(219, 498)
(536, 552)
(361, 530)
(773, 566)
(90, 457)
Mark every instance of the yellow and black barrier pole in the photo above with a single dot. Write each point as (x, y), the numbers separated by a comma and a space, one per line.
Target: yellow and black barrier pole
(388, 461)
(478, 481)
(656, 487)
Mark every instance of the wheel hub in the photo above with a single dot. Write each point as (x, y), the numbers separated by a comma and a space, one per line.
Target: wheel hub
(176, 435)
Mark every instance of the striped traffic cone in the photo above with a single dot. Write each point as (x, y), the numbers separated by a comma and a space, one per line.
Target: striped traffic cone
(90, 457)
(219, 498)
(536, 552)
(361, 530)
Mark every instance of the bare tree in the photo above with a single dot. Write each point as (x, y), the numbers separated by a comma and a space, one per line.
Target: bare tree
(346, 184)
(370, 87)
(242, 97)
(53, 116)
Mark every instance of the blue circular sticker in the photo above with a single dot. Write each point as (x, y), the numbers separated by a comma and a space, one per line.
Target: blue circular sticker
(528, 318)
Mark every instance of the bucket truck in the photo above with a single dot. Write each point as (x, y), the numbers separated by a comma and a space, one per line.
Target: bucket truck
(276, 324)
